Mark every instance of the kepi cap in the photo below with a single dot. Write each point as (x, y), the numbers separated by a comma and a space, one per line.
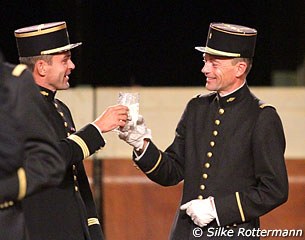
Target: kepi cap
(230, 40)
(43, 39)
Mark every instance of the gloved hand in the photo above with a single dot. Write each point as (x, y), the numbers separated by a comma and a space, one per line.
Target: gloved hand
(202, 212)
(135, 135)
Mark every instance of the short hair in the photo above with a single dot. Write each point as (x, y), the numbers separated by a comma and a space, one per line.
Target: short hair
(30, 61)
(249, 62)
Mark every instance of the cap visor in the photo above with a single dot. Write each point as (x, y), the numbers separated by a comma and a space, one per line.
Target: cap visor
(61, 49)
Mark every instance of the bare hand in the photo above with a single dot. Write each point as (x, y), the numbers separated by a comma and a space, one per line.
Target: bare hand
(111, 118)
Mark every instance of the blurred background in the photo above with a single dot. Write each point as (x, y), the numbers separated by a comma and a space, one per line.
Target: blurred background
(147, 46)
(151, 42)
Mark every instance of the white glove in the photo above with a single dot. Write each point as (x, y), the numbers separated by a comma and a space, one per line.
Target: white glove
(135, 135)
(202, 212)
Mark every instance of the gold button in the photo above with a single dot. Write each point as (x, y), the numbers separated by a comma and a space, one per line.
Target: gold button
(205, 176)
(61, 114)
(221, 111)
(66, 124)
(212, 143)
(6, 204)
(234, 225)
(200, 197)
(55, 104)
(68, 134)
(202, 187)
(207, 165)
(217, 122)
(209, 154)
(76, 188)
(215, 133)
(73, 167)
(74, 177)
(11, 203)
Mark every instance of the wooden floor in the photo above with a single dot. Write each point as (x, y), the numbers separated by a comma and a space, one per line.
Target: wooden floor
(134, 208)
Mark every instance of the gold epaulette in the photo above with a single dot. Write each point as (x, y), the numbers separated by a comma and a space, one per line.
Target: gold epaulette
(262, 106)
(18, 70)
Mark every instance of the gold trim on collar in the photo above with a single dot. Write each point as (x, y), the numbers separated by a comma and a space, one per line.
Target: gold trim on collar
(93, 221)
(231, 99)
(44, 93)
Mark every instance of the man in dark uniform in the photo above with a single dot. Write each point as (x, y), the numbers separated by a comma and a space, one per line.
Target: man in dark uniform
(66, 212)
(30, 159)
(228, 147)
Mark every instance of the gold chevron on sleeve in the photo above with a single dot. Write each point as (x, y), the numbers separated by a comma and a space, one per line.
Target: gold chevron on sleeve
(22, 183)
(241, 211)
(81, 143)
(92, 221)
(156, 165)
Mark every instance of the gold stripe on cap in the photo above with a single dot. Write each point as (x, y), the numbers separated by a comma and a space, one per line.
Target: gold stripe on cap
(81, 143)
(234, 29)
(18, 70)
(22, 183)
(156, 165)
(221, 53)
(40, 31)
(92, 221)
(241, 211)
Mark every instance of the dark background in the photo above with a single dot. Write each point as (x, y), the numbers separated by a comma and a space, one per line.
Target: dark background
(151, 43)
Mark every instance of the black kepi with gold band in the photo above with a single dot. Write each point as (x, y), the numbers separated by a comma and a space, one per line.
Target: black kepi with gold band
(230, 40)
(43, 39)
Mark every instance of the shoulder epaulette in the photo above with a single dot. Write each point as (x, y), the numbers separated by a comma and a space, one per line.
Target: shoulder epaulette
(204, 95)
(263, 105)
(18, 70)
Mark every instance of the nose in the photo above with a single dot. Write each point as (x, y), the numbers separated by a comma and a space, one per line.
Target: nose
(71, 64)
(204, 69)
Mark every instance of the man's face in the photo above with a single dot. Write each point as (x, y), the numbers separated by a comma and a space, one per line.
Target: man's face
(220, 74)
(58, 72)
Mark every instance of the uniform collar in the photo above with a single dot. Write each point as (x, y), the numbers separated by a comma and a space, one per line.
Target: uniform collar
(48, 94)
(233, 97)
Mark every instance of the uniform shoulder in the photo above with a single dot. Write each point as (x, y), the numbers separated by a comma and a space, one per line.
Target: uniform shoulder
(204, 96)
(18, 70)
(14, 70)
(263, 105)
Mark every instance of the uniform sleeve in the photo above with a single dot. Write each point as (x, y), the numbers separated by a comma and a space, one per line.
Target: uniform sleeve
(94, 226)
(166, 168)
(81, 144)
(43, 165)
(271, 189)
(11, 151)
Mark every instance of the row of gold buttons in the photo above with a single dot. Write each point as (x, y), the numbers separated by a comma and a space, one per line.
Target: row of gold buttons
(209, 154)
(6, 204)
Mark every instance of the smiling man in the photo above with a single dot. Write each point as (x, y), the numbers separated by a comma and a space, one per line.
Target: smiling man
(66, 211)
(228, 148)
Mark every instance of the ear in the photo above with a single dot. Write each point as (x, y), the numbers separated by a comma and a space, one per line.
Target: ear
(241, 68)
(40, 67)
